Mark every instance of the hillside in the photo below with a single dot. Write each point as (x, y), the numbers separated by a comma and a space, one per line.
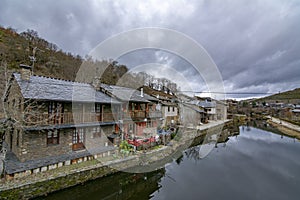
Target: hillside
(292, 96)
(15, 49)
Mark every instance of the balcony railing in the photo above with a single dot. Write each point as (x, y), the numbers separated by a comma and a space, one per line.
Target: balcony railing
(40, 119)
(70, 118)
(155, 114)
(136, 114)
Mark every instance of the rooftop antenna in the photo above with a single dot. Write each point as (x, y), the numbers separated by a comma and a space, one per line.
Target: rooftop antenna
(33, 58)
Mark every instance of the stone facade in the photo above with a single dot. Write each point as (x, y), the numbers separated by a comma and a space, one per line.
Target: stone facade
(34, 145)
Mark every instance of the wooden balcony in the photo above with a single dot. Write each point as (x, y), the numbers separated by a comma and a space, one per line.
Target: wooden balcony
(137, 114)
(69, 118)
(155, 114)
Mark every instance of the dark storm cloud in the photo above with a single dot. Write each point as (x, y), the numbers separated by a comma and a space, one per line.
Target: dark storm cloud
(254, 43)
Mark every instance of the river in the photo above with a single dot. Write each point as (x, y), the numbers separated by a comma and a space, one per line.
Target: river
(255, 164)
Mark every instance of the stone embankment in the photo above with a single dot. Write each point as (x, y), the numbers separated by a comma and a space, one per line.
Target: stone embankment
(285, 127)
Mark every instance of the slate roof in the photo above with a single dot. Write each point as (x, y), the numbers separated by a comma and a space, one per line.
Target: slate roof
(168, 103)
(127, 94)
(13, 165)
(207, 104)
(45, 88)
(193, 107)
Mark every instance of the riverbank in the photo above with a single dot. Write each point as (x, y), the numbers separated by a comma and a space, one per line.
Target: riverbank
(67, 176)
(285, 127)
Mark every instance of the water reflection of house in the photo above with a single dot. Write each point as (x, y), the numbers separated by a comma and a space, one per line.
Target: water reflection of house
(53, 126)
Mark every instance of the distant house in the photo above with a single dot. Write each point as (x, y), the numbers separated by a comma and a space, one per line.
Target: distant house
(170, 113)
(221, 110)
(55, 122)
(209, 106)
(167, 105)
(215, 109)
(296, 114)
(191, 114)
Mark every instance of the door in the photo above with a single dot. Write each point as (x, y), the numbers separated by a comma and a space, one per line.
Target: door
(78, 139)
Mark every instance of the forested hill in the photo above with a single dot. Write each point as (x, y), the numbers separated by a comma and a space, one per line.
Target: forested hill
(16, 48)
(292, 96)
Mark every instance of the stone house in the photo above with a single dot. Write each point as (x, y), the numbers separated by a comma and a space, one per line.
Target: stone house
(55, 122)
(170, 113)
(140, 117)
(209, 106)
(191, 114)
(221, 110)
(167, 105)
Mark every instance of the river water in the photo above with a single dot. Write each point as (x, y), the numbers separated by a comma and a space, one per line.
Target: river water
(256, 164)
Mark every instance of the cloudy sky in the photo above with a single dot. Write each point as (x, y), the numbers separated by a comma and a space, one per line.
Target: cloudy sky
(255, 44)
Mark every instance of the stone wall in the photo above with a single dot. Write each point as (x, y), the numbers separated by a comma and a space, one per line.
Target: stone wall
(44, 187)
(35, 145)
(13, 107)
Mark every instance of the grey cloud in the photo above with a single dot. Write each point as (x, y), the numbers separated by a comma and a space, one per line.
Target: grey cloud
(254, 43)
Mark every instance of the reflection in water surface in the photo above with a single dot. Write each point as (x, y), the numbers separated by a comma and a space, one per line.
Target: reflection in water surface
(256, 164)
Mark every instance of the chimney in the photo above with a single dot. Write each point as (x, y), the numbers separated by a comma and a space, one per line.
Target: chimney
(25, 72)
(142, 92)
(96, 83)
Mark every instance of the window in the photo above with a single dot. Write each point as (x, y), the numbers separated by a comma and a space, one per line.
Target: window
(53, 137)
(98, 108)
(78, 136)
(142, 106)
(168, 108)
(51, 107)
(96, 132)
(149, 124)
(78, 139)
(173, 109)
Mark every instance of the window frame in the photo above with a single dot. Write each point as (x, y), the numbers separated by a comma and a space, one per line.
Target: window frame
(53, 137)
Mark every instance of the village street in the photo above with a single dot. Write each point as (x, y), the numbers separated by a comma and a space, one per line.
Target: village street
(285, 123)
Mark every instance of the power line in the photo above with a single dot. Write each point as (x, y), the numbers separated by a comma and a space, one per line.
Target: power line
(230, 92)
